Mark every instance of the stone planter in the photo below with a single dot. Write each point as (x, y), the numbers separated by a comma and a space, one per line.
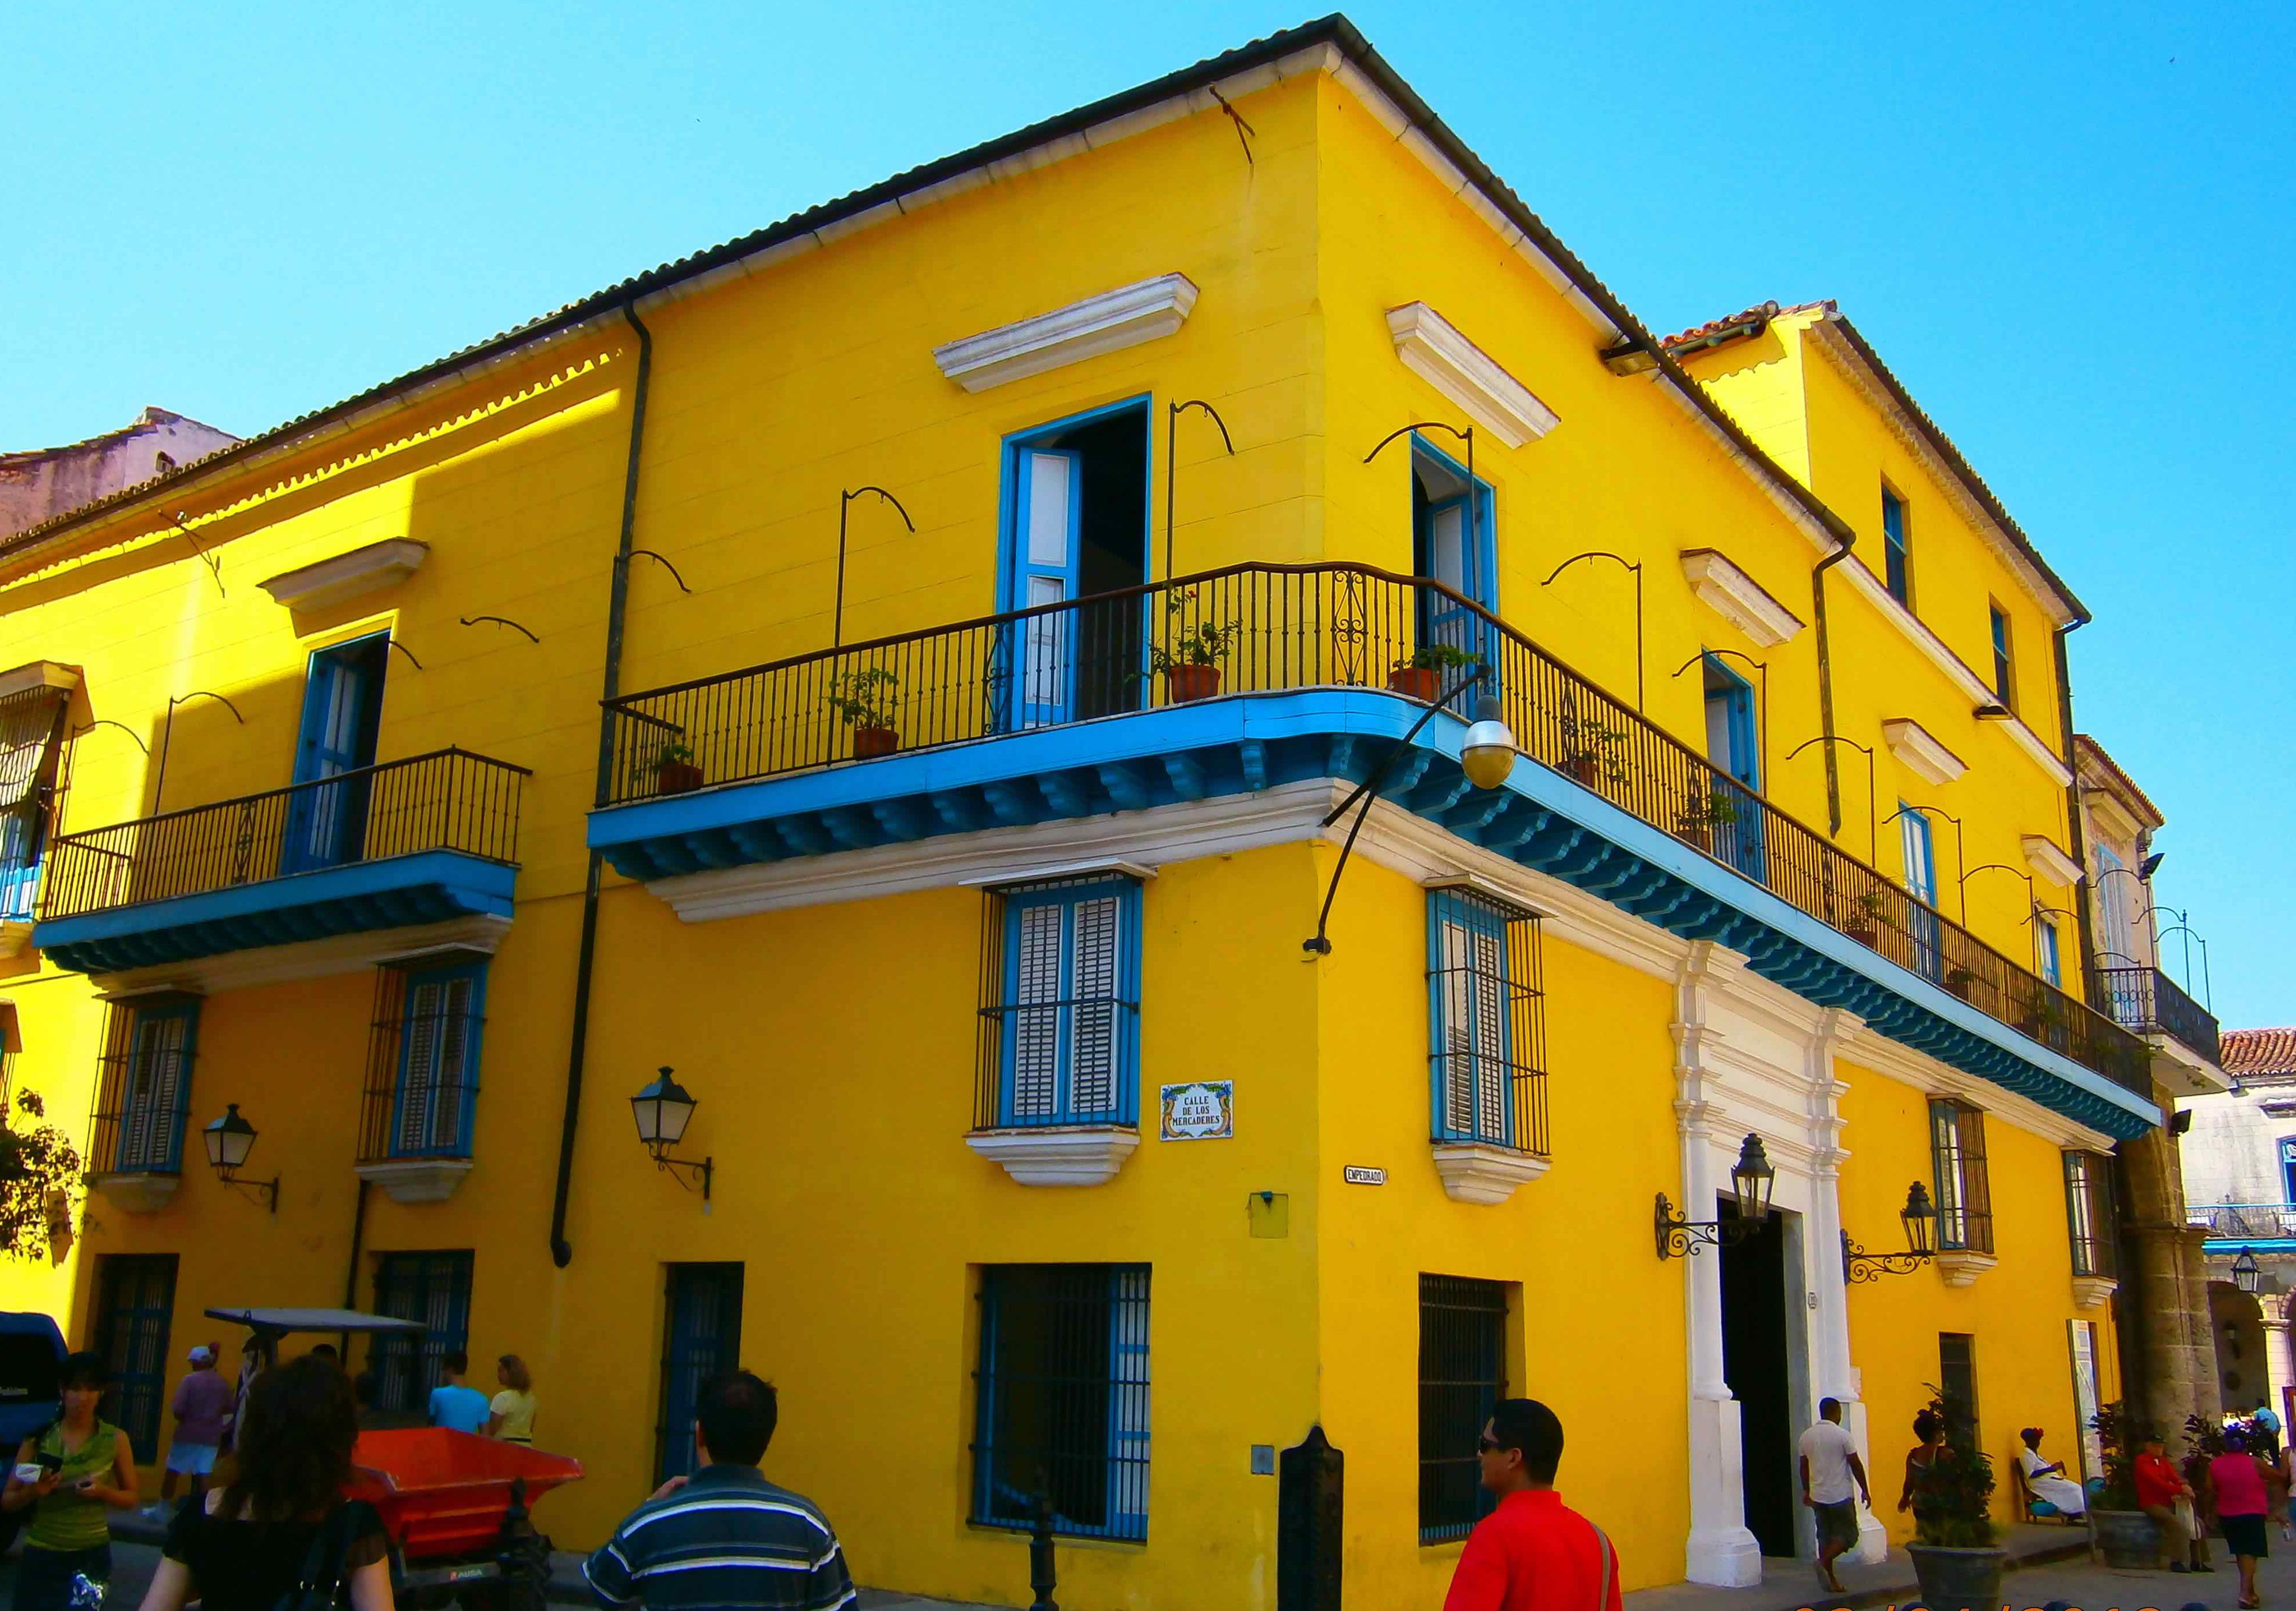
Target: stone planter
(1958, 1580)
(2127, 1538)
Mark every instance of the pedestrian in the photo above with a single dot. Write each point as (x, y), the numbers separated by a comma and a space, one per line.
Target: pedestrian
(2265, 1419)
(328, 1351)
(2163, 1494)
(202, 1408)
(282, 1520)
(1830, 1466)
(454, 1405)
(511, 1416)
(1533, 1552)
(2047, 1479)
(2236, 1483)
(725, 1536)
(253, 1358)
(1928, 1426)
(86, 1468)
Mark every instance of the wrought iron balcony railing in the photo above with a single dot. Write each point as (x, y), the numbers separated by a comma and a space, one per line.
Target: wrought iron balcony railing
(2147, 1000)
(2233, 1221)
(1264, 629)
(449, 800)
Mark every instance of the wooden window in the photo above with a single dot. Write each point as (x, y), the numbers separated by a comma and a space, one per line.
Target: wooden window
(2088, 1214)
(1896, 549)
(1060, 1005)
(143, 1090)
(2005, 677)
(433, 1289)
(1965, 1200)
(1463, 1332)
(1486, 1021)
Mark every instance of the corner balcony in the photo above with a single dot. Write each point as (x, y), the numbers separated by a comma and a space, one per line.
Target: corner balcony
(2237, 1228)
(2182, 1034)
(1233, 682)
(427, 840)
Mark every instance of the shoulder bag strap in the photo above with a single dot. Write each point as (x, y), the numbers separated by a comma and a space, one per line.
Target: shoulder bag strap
(322, 1577)
(1610, 1570)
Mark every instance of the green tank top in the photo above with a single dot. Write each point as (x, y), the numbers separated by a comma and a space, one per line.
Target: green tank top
(65, 1520)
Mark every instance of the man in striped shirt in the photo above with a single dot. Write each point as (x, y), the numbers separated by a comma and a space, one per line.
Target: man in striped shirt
(725, 1536)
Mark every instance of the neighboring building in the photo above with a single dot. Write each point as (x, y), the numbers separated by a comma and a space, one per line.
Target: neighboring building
(2240, 1193)
(958, 861)
(44, 482)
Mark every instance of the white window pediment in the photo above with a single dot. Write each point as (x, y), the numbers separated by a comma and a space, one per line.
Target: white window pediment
(2050, 863)
(1920, 750)
(1107, 322)
(1431, 348)
(330, 581)
(1738, 598)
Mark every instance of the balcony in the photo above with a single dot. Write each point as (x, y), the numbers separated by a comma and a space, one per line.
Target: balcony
(423, 840)
(1096, 706)
(2180, 1030)
(2266, 1227)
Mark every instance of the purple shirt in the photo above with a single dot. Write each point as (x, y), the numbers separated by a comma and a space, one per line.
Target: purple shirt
(202, 1405)
(2238, 1484)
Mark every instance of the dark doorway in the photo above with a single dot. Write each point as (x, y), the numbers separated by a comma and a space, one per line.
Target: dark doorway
(701, 1338)
(1754, 1364)
(135, 1302)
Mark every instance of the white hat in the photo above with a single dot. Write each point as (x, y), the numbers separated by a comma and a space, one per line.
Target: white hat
(202, 1355)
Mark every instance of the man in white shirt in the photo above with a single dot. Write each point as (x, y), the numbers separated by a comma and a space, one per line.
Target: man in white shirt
(1830, 1466)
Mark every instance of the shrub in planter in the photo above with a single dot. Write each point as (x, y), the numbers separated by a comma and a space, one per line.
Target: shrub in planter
(672, 768)
(864, 700)
(1958, 980)
(1954, 1552)
(2127, 1538)
(1698, 820)
(1189, 659)
(1865, 925)
(1421, 677)
(1590, 750)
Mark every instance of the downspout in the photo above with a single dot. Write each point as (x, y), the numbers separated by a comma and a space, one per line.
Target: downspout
(1826, 684)
(562, 1251)
(351, 1275)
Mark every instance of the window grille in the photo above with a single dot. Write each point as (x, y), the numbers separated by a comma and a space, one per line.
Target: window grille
(1486, 1008)
(135, 1302)
(702, 1339)
(1462, 1375)
(1060, 1005)
(435, 1289)
(1062, 1398)
(1965, 1200)
(2089, 1214)
(423, 1058)
(144, 1084)
(1958, 1388)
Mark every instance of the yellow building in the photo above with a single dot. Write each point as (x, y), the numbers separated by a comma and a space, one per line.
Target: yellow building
(996, 580)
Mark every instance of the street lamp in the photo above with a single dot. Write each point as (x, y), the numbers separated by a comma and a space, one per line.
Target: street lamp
(663, 1109)
(229, 1139)
(2244, 1273)
(1487, 752)
(1920, 1220)
(1751, 1179)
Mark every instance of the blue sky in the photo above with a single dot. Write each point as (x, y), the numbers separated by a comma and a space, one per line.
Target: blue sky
(2068, 229)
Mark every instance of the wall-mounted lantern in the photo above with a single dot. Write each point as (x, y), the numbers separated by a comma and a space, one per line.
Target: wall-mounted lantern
(2245, 1273)
(663, 1109)
(1751, 1179)
(229, 1140)
(1920, 1246)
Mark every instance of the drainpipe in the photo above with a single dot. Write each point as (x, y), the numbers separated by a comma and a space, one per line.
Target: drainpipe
(562, 1251)
(351, 1275)
(1825, 681)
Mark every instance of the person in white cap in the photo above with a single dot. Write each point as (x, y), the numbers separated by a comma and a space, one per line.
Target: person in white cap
(202, 1408)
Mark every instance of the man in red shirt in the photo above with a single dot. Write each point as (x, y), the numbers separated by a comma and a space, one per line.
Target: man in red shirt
(1533, 1553)
(2158, 1486)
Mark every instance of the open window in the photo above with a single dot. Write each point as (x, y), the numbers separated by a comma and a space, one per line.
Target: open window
(1733, 743)
(36, 714)
(342, 714)
(1452, 544)
(1075, 525)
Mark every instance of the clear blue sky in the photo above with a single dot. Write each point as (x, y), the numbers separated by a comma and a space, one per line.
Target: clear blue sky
(2067, 228)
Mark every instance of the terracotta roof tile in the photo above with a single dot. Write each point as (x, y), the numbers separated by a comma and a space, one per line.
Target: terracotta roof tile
(2259, 1051)
(1758, 315)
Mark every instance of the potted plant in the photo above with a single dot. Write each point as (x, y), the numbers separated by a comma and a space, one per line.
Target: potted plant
(1695, 826)
(1958, 980)
(865, 699)
(1421, 677)
(1865, 921)
(1954, 1552)
(2127, 1537)
(2043, 1019)
(1189, 661)
(673, 768)
(1590, 750)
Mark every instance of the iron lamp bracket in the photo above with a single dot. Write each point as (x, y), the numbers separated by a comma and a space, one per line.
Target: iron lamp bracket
(682, 1170)
(265, 1192)
(1857, 1265)
(1681, 1238)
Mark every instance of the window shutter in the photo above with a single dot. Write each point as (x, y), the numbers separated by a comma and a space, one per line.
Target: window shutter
(1457, 1031)
(1976, 1191)
(1094, 973)
(1036, 1012)
(453, 1079)
(1944, 1154)
(155, 1091)
(418, 1086)
(1490, 1036)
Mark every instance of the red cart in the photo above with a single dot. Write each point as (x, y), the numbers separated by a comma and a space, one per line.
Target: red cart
(456, 1506)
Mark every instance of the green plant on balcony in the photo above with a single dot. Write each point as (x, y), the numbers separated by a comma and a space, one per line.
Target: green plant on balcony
(1591, 751)
(1420, 676)
(1701, 814)
(668, 765)
(866, 699)
(1189, 658)
(2043, 1019)
(1958, 980)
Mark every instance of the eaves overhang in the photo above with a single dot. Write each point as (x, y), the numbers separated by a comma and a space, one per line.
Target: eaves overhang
(1540, 818)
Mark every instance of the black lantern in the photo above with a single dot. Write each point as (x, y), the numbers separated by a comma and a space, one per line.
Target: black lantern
(2244, 1274)
(1920, 1220)
(1750, 1181)
(663, 1109)
(229, 1139)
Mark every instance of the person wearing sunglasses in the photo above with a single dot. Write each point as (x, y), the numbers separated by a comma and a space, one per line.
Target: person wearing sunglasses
(1533, 1553)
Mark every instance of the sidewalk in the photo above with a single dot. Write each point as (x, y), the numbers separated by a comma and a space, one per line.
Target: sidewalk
(1792, 1585)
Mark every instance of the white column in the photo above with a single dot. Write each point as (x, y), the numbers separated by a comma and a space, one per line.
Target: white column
(1722, 1550)
(2277, 1360)
(1835, 1377)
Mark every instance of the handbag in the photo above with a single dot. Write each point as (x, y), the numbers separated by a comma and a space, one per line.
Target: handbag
(320, 1584)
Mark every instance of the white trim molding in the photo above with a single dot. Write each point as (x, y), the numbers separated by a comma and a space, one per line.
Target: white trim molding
(1738, 598)
(2090, 1291)
(1068, 1155)
(417, 1179)
(2052, 864)
(331, 581)
(1962, 1268)
(1475, 1172)
(136, 1191)
(1916, 746)
(1107, 322)
(1432, 348)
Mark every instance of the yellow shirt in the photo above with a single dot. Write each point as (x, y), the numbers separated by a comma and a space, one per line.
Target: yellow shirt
(517, 1411)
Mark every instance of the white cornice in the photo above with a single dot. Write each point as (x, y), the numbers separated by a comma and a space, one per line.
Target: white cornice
(1920, 750)
(1434, 348)
(331, 581)
(2052, 864)
(1738, 598)
(1106, 323)
(305, 959)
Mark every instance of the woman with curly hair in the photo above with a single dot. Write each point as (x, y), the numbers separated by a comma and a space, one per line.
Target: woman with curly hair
(283, 1520)
(82, 1466)
(1928, 1426)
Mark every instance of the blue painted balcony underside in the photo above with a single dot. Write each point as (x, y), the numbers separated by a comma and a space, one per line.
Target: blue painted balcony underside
(1540, 820)
(429, 886)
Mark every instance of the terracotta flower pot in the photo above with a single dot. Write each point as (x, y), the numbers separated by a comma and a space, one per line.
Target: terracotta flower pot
(1187, 684)
(869, 743)
(1959, 987)
(1582, 768)
(1860, 929)
(1697, 835)
(676, 777)
(1415, 682)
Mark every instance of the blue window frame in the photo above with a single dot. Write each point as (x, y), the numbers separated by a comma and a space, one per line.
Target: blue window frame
(342, 715)
(435, 1093)
(1061, 1396)
(1895, 549)
(32, 725)
(2044, 937)
(1733, 743)
(20, 860)
(148, 1083)
(1485, 1020)
(1062, 1013)
(702, 1340)
(1919, 848)
(2005, 680)
(433, 1289)
(1455, 546)
(2288, 1170)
